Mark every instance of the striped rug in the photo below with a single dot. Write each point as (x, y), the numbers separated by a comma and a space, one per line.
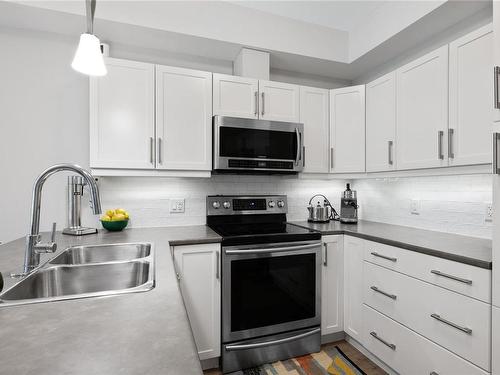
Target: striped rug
(329, 361)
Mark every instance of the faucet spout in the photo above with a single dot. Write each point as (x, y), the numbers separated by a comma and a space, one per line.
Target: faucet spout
(33, 246)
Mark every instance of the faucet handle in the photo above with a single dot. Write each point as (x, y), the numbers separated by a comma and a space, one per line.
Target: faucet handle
(53, 234)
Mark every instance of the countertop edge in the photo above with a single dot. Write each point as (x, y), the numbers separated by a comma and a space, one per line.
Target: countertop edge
(200, 241)
(423, 250)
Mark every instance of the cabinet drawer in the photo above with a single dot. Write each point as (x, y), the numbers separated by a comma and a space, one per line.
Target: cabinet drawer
(461, 278)
(410, 353)
(442, 316)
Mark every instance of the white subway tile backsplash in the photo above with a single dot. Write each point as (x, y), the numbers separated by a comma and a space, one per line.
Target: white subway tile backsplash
(454, 204)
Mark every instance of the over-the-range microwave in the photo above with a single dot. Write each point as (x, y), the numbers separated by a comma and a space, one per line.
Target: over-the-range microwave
(257, 146)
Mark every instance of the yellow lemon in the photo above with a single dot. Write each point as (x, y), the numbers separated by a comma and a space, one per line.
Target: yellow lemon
(110, 213)
(126, 215)
(106, 218)
(120, 211)
(119, 217)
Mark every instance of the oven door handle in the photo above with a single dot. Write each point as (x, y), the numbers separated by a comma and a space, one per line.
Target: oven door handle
(230, 348)
(298, 156)
(272, 249)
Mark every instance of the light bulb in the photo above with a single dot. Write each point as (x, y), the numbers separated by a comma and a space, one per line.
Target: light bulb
(88, 57)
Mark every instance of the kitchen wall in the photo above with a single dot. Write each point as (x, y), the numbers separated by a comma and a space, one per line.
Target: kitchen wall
(148, 199)
(456, 204)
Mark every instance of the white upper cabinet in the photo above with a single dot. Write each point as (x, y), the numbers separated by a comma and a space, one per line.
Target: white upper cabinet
(183, 119)
(471, 95)
(279, 101)
(347, 129)
(235, 96)
(122, 116)
(381, 124)
(332, 282)
(496, 58)
(422, 112)
(314, 114)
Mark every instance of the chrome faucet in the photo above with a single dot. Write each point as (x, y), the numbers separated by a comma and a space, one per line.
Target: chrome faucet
(34, 247)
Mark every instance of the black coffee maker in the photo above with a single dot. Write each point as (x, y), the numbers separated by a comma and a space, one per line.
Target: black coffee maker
(349, 206)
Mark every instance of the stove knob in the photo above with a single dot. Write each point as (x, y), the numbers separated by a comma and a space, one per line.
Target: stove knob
(281, 204)
(216, 204)
(271, 204)
(226, 204)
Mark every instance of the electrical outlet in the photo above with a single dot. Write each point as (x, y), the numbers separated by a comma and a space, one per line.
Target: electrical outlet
(488, 215)
(415, 207)
(177, 205)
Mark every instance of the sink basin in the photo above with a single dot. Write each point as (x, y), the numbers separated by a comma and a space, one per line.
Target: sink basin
(87, 271)
(102, 253)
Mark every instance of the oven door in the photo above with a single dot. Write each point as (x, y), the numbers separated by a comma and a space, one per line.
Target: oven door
(245, 144)
(270, 288)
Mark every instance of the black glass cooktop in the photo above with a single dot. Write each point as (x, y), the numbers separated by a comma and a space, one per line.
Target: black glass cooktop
(237, 231)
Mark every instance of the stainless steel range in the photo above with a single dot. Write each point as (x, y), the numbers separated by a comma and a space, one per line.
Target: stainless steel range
(271, 281)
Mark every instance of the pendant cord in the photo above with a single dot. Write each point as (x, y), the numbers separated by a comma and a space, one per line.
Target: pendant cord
(90, 11)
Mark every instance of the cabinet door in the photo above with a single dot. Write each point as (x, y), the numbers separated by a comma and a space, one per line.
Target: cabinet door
(496, 53)
(122, 116)
(353, 290)
(347, 129)
(495, 348)
(471, 95)
(422, 112)
(235, 96)
(381, 124)
(332, 285)
(198, 270)
(183, 119)
(314, 114)
(279, 101)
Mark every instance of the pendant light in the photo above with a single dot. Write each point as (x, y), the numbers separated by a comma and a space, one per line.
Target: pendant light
(88, 57)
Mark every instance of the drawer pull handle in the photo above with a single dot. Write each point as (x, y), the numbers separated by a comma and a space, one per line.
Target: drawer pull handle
(448, 276)
(451, 324)
(433, 373)
(374, 288)
(375, 254)
(374, 334)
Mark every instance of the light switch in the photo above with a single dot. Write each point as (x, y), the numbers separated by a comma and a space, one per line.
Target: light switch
(177, 205)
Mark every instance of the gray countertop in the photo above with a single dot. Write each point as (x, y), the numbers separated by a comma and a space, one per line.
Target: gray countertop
(138, 333)
(463, 249)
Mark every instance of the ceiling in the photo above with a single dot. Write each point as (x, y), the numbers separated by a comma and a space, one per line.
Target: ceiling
(346, 15)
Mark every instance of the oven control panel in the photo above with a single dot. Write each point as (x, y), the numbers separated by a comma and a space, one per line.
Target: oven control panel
(246, 205)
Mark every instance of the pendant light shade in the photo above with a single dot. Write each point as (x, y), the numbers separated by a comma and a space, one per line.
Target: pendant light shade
(88, 57)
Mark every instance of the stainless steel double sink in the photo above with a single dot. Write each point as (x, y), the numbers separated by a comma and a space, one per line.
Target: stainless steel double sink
(87, 271)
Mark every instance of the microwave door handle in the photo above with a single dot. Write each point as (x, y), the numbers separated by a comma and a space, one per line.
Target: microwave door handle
(297, 157)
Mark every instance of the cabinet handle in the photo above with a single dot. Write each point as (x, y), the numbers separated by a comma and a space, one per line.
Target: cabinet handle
(331, 157)
(375, 289)
(448, 276)
(375, 254)
(451, 324)
(496, 139)
(451, 154)
(389, 155)
(263, 105)
(159, 151)
(325, 259)
(496, 73)
(303, 156)
(151, 150)
(217, 267)
(256, 112)
(433, 373)
(374, 334)
(440, 144)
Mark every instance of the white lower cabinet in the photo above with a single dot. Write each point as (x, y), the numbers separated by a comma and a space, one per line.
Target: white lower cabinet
(198, 272)
(495, 349)
(332, 285)
(353, 286)
(408, 352)
(457, 322)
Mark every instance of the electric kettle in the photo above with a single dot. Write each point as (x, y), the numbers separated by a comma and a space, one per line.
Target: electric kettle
(321, 212)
